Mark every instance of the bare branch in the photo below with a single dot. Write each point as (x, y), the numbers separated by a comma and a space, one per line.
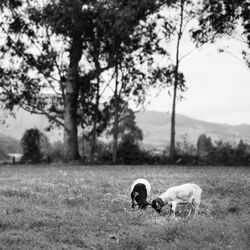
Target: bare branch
(108, 84)
(57, 65)
(131, 114)
(187, 54)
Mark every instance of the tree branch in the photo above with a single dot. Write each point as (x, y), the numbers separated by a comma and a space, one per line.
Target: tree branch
(187, 54)
(131, 114)
(108, 84)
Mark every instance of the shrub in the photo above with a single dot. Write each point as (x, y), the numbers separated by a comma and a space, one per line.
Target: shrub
(129, 150)
(35, 146)
(222, 153)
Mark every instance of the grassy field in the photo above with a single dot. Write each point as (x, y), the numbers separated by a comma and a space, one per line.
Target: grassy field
(88, 207)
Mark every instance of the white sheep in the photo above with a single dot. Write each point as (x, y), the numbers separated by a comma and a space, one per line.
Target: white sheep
(140, 191)
(188, 193)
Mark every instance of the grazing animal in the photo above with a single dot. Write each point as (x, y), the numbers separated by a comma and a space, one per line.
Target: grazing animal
(188, 193)
(140, 190)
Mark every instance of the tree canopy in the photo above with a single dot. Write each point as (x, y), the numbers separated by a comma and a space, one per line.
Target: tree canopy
(225, 18)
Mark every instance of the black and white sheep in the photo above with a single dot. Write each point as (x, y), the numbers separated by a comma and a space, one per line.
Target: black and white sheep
(188, 193)
(140, 191)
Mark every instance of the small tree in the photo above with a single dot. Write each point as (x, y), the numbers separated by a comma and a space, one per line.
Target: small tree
(224, 153)
(130, 137)
(241, 153)
(204, 148)
(35, 145)
(129, 150)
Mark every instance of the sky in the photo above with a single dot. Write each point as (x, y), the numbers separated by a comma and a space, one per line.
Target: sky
(218, 85)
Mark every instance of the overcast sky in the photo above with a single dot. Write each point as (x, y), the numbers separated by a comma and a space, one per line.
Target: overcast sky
(218, 85)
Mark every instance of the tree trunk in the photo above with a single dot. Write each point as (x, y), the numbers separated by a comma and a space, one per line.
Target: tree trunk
(94, 132)
(71, 151)
(172, 152)
(116, 123)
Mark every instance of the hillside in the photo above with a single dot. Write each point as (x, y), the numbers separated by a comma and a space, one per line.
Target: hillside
(8, 145)
(156, 129)
(15, 126)
(155, 126)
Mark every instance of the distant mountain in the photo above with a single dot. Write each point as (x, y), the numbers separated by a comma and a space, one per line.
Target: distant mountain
(156, 129)
(16, 126)
(155, 126)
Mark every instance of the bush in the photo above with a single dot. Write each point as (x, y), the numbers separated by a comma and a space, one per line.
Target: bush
(222, 153)
(128, 150)
(35, 146)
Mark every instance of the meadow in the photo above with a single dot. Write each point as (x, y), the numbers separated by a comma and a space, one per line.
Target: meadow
(88, 207)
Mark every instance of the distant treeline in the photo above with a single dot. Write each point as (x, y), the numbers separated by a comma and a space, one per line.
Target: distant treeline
(36, 149)
(222, 153)
(129, 152)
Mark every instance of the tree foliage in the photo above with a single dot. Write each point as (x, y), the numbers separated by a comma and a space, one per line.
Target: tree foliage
(225, 18)
(35, 146)
(221, 153)
(130, 137)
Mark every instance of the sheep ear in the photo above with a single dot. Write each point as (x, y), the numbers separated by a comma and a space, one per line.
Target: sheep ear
(158, 205)
(136, 194)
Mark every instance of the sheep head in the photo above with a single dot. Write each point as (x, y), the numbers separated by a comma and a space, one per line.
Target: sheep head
(157, 204)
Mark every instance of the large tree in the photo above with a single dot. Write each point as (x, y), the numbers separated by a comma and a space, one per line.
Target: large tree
(46, 44)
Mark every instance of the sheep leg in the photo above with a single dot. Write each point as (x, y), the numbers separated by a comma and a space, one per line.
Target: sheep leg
(196, 207)
(196, 210)
(174, 204)
(197, 202)
(192, 207)
(189, 213)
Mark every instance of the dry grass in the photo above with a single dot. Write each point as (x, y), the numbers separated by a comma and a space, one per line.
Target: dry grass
(85, 207)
